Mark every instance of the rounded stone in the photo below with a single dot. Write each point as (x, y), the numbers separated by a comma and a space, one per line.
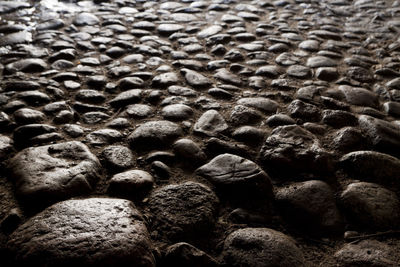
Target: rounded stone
(87, 232)
(131, 184)
(261, 247)
(154, 134)
(182, 211)
(371, 205)
(117, 157)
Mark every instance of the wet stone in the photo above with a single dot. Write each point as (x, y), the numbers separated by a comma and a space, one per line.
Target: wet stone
(71, 85)
(371, 205)
(261, 247)
(114, 228)
(39, 182)
(183, 211)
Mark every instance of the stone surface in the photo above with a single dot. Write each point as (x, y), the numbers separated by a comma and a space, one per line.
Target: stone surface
(211, 123)
(261, 247)
(154, 134)
(183, 210)
(236, 176)
(131, 184)
(54, 172)
(371, 205)
(61, 234)
(372, 166)
(367, 253)
(293, 150)
(310, 206)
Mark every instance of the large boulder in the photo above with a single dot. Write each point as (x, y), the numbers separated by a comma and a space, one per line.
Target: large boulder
(88, 232)
(54, 172)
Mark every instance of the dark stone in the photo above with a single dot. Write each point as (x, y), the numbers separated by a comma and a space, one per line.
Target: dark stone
(55, 172)
(131, 184)
(154, 134)
(367, 253)
(261, 247)
(310, 206)
(371, 205)
(237, 177)
(117, 157)
(183, 211)
(291, 150)
(183, 254)
(59, 236)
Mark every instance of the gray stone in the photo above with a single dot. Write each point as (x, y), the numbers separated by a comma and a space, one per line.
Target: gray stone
(207, 32)
(320, 61)
(359, 96)
(177, 112)
(131, 184)
(87, 232)
(211, 123)
(261, 247)
(263, 104)
(85, 18)
(117, 157)
(54, 172)
(16, 38)
(195, 79)
(190, 152)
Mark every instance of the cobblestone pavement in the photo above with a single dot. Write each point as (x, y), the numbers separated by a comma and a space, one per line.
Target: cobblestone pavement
(200, 133)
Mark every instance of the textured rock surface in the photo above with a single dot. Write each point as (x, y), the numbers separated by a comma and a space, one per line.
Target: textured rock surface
(183, 210)
(54, 172)
(296, 90)
(261, 247)
(88, 232)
